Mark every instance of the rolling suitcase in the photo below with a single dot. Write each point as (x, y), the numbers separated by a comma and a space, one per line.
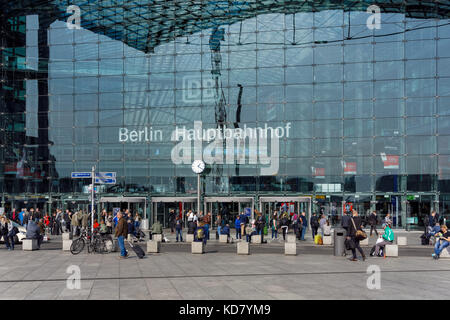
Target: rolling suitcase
(137, 249)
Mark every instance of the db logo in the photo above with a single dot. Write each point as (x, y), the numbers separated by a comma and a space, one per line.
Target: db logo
(196, 90)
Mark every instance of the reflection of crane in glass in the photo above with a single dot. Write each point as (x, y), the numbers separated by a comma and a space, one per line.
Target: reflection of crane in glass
(216, 37)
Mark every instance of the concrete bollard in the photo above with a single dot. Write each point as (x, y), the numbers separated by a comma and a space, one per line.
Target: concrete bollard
(29, 244)
(364, 242)
(291, 238)
(256, 239)
(243, 247)
(153, 246)
(327, 240)
(402, 241)
(67, 236)
(223, 238)
(445, 253)
(66, 245)
(189, 238)
(290, 249)
(391, 250)
(158, 237)
(197, 247)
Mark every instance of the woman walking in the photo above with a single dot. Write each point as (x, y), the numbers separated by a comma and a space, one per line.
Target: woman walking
(355, 225)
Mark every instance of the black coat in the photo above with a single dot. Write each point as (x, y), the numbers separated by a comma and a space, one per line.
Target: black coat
(351, 229)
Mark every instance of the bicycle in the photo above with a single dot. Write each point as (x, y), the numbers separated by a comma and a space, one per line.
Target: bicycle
(97, 243)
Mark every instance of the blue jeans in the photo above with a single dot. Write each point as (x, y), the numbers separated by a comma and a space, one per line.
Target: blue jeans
(238, 233)
(121, 242)
(248, 237)
(440, 245)
(303, 233)
(274, 232)
(179, 232)
(206, 226)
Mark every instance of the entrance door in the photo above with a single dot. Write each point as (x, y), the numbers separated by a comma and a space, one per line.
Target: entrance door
(417, 208)
(162, 206)
(228, 208)
(134, 204)
(267, 205)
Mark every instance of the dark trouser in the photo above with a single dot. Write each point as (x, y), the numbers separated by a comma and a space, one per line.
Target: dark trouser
(373, 227)
(314, 232)
(238, 233)
(68, 226)
(172, 224)
(284, 232)
(357, 246)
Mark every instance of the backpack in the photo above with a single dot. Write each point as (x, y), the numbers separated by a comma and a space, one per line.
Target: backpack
(200, 233)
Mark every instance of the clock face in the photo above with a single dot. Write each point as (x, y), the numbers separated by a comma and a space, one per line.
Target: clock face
(198, 166)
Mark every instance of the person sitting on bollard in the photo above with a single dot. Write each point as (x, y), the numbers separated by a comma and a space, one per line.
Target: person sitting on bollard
(200, 234)
(248, 232)
(386, 238)
(156, 229)
(34, 232)
(442, 241)
(226, 231)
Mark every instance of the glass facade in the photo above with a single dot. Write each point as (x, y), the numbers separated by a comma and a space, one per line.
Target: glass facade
(361, 115)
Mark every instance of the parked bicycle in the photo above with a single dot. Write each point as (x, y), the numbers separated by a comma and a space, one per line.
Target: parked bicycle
(97, 243)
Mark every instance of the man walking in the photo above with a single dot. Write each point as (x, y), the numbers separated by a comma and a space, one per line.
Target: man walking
(304, 224)
(122, 234)
(373, 221)
(314, 222)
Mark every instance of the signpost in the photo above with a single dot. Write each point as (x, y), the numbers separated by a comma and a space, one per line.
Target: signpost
(96, 178)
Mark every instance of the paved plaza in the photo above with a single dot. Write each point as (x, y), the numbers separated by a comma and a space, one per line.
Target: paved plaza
(219, 274)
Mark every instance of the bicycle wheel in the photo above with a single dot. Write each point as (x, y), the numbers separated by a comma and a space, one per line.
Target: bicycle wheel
(77, 246)
(99, 246)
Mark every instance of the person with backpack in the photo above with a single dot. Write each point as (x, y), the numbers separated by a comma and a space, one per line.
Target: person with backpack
(226, 231)
(351, 239)
(199, 234)
(179, 228)
(387, 238)
(314, 222)
(284, 225)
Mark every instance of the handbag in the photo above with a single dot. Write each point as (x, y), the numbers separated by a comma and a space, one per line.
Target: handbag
(360, 234)
(349, 244)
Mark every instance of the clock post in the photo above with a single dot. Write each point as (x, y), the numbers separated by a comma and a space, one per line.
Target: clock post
(198, 166)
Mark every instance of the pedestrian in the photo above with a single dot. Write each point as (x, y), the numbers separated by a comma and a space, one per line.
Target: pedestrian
(75, 223)
(387, 219)
(207, 224)
(172, 220)
(137, 222)
(260, 223)
(121, 234)
(67, 219)
(109, 222)
(304, 222)
(179, 228)
(345, 223)
(237, 225)
(85, 217)
(295, 225)
(314, 222)
(274, 226)
(218, 224)
(4, 231)
(130, 223)
(352, 240)
(322, 222)
(373, 221)
(284, 225)
(244, 221)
